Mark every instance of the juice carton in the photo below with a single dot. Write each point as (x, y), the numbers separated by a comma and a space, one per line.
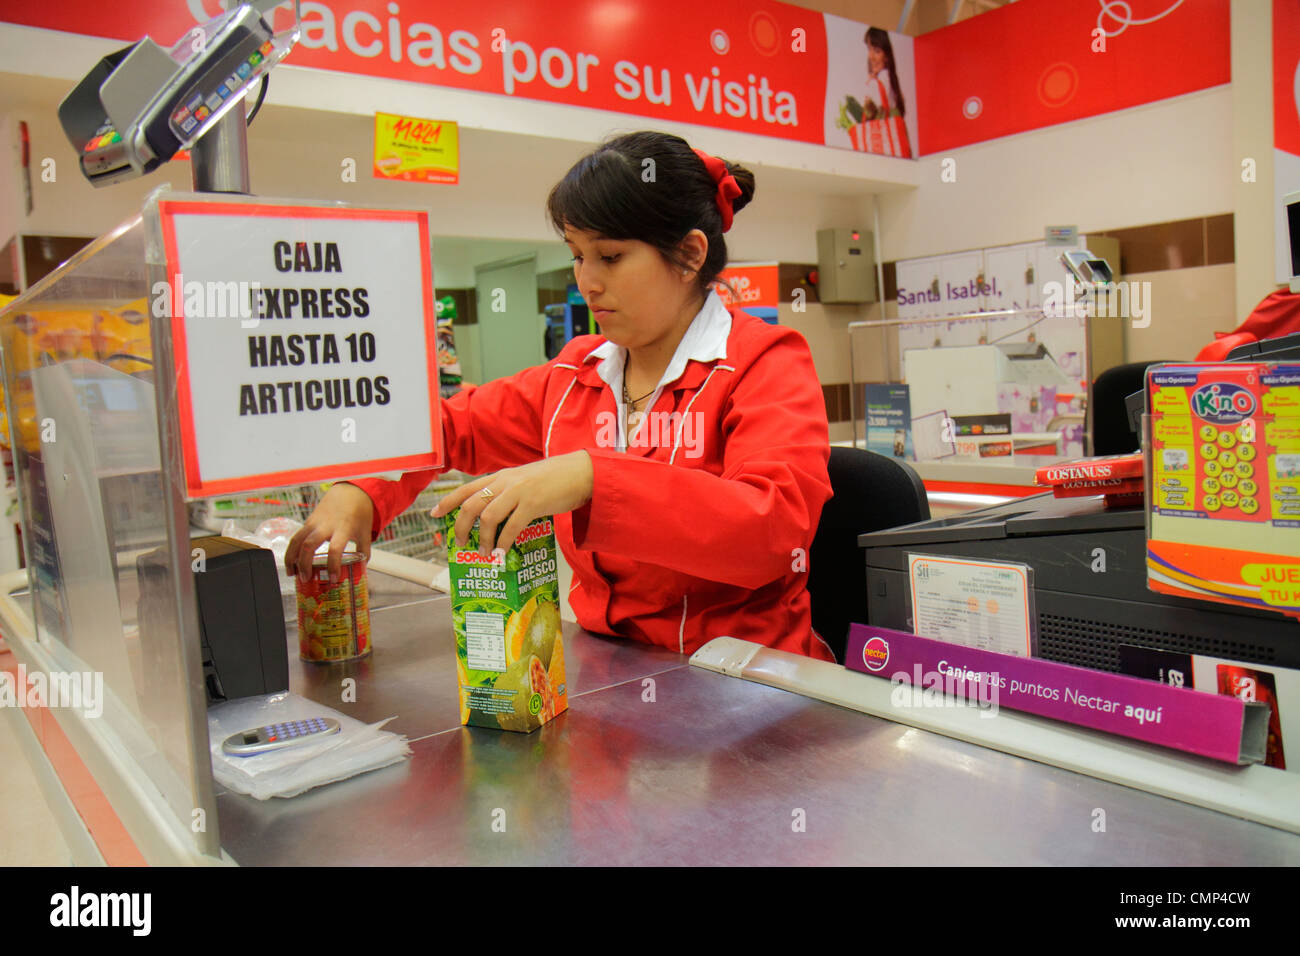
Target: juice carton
(506, 614)
(1224, 463)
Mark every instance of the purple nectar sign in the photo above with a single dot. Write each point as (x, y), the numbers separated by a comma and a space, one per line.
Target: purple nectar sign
(926, 670)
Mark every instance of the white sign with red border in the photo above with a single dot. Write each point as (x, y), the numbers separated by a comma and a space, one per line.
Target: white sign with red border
(304, 341)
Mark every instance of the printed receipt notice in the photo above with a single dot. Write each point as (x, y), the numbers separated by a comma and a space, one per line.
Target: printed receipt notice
(981, 604)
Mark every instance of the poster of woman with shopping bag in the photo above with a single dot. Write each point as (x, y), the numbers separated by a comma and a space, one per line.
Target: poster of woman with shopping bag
(876, 123)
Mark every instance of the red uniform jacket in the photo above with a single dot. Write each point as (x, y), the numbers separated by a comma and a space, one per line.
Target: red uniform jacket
(1277, 314)
(693, 535)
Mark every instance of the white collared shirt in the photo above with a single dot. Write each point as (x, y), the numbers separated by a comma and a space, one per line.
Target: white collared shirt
(705, 341)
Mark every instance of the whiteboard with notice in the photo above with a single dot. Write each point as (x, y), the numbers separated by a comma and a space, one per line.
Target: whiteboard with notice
(304, 342)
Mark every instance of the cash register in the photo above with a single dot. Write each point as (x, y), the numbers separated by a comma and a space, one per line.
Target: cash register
(1090, 584)
(1090, 573)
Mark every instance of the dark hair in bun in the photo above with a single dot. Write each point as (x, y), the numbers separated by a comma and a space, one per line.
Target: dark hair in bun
(651, 187)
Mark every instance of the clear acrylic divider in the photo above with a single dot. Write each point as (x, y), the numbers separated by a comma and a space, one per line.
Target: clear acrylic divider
(90, 399)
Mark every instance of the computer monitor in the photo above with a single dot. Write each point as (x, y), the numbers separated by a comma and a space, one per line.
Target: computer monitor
(1291, 202)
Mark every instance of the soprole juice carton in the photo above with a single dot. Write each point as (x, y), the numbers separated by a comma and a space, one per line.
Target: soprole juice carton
(506, 614)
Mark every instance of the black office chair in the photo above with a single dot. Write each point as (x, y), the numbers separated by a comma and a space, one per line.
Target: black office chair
(871, 493)
(1111, 434)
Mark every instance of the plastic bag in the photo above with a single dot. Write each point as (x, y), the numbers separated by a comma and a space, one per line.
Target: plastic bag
(357, 747)
(273, 534)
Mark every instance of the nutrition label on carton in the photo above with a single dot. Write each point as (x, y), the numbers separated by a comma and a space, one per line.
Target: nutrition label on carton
(485, 641)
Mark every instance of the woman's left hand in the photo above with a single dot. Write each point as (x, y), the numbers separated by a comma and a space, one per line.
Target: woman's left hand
(519, 495)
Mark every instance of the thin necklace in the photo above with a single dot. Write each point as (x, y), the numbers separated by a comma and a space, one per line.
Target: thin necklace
(631, 414)
(627, 396)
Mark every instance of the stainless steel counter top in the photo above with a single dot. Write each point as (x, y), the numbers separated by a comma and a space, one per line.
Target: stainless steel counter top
(713, 771)
(411, 674)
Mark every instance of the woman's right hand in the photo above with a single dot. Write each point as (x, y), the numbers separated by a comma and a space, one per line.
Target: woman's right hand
(344, 514)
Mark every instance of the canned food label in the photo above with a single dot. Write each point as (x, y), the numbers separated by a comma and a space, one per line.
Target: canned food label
(334, 620)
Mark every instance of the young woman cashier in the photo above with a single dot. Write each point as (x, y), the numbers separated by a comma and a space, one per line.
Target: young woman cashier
(682, 451)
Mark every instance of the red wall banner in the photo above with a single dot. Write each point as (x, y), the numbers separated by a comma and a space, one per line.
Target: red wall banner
(754, 66)
(1286, 130)
(1286, 76)
(1037, 63)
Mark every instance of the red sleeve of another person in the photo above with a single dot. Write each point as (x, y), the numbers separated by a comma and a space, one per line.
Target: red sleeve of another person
(1278, 314)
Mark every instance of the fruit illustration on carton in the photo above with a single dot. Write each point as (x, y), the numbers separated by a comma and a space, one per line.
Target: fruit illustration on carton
(506, 617)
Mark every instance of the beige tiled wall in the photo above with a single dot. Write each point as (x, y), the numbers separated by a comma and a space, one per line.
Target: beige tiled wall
(1187, 307)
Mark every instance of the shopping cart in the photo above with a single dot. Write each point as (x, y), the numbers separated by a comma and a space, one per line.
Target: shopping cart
(249, 509)
(412, 533)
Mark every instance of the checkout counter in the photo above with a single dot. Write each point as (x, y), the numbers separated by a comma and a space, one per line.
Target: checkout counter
(656, 761)
(954, 484)
(708, 772)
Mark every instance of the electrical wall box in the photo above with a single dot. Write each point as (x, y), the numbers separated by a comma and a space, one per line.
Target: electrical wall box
(846, 266)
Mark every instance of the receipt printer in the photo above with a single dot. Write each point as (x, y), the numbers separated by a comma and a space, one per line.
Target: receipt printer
(241, 617)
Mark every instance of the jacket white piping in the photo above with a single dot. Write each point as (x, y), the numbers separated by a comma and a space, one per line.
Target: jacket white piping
(681, 426)
(546, 446)
(681, 628)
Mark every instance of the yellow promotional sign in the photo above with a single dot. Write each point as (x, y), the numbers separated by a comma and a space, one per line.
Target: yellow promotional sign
(416, 150)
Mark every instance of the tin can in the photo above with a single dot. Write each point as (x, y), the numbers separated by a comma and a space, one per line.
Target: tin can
(334, 619)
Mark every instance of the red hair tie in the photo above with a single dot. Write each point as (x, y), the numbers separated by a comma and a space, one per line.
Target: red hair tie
(728, 189)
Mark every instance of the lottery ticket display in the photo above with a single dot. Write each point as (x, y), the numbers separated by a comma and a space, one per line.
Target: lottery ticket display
(1224, 463)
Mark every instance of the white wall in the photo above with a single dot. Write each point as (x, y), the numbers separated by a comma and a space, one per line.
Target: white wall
(1252, 137)
(1187, 306)
(1164, 161)
(11, 192)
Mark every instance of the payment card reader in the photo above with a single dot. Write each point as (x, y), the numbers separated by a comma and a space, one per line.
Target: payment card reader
(139, 106)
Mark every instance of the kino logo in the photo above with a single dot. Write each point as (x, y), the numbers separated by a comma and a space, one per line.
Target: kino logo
(1223, 402)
